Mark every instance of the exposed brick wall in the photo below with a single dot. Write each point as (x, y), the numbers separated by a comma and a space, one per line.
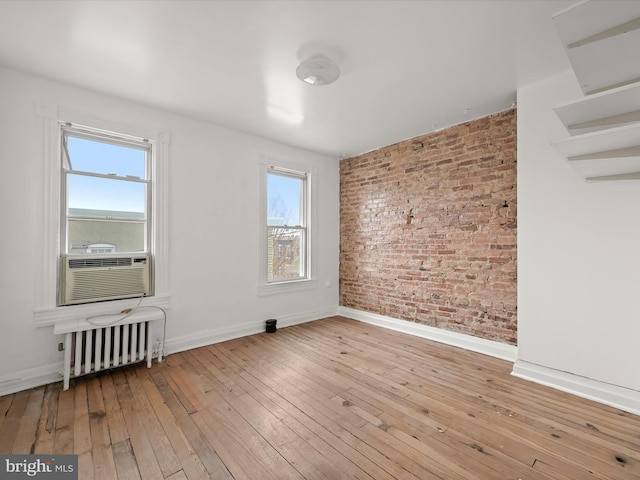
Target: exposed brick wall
(428, 229)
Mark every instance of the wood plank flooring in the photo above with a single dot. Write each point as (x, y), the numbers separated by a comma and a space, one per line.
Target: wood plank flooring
(331, 399)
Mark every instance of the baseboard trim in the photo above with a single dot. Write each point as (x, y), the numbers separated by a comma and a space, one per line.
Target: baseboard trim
(618, 397)
(30, 378)
(221, 334)
(608, 394)
(468, 342)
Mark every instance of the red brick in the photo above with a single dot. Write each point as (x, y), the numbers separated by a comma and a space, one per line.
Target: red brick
(454, 265)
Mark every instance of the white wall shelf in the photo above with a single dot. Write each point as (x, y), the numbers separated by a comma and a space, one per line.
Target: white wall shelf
(600, 111)
(604, 153)
(601, 42)
(600, 143)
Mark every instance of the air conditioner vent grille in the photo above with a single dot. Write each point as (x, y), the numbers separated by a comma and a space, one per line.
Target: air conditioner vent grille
(100, 262)
(108, 283)
(95, 279)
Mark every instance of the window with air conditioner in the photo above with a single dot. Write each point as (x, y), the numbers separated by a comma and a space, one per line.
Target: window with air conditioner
(106, 195)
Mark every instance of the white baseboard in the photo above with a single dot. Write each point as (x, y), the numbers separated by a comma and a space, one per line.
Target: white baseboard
(30, 377)
(608, 394)
(605, 393)
(230, 332)
(468, 342)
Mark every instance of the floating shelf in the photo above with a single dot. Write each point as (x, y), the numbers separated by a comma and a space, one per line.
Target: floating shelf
(610, 178)
(601, 111)
(601, 41)
(605, 153)
(601, 141)
(599, 171)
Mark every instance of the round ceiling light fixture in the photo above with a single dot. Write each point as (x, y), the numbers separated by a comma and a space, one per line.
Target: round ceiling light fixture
(318, 71)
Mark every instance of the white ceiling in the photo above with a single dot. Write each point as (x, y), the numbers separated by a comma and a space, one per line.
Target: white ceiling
(408, 67)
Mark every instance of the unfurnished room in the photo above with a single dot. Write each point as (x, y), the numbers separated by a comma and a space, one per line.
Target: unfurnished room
(320, 239)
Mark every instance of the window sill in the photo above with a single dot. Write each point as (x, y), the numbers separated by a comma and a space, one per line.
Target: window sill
(286, 287)
(45, 317)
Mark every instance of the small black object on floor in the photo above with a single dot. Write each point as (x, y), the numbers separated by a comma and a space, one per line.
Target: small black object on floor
(271, 325)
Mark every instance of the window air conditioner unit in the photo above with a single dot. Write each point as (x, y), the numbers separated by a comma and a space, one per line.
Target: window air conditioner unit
(86, 279)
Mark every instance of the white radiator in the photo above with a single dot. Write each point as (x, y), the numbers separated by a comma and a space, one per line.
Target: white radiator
(89, 348)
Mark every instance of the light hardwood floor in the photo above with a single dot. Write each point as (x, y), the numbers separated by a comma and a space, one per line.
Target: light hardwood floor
(331, 399)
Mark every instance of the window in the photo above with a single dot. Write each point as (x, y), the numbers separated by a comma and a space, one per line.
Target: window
(287, 243)
(105, 199)
(106, 192)
(61, 166)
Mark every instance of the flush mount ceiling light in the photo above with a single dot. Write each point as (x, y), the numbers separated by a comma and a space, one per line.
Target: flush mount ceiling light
(318, 71)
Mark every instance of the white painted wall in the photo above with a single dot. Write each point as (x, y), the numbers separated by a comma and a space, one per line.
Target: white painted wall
(213, 215)
(578, 255)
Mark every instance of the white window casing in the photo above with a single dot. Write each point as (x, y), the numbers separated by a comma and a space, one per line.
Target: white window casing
(304, 228)
(50, 118)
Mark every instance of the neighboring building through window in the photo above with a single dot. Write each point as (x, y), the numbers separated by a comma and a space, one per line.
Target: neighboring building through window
(287, 229)
(101, 248)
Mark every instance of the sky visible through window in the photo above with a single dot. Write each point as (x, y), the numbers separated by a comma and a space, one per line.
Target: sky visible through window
(283, 200)
(95, 193)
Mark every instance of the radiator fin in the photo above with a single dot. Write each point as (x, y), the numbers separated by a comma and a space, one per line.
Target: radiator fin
(107, 347)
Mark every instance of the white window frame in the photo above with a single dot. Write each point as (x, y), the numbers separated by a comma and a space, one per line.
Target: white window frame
(112, 138)
(277, 166)
(50, 118)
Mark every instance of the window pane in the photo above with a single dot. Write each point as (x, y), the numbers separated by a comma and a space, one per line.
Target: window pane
(98, 157)
(284, 199)
(105, 197)
(283, 253)
(85, 236)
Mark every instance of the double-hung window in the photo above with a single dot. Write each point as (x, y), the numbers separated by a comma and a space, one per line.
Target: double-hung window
(287, 235)
(105, 217)
(106, 193)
